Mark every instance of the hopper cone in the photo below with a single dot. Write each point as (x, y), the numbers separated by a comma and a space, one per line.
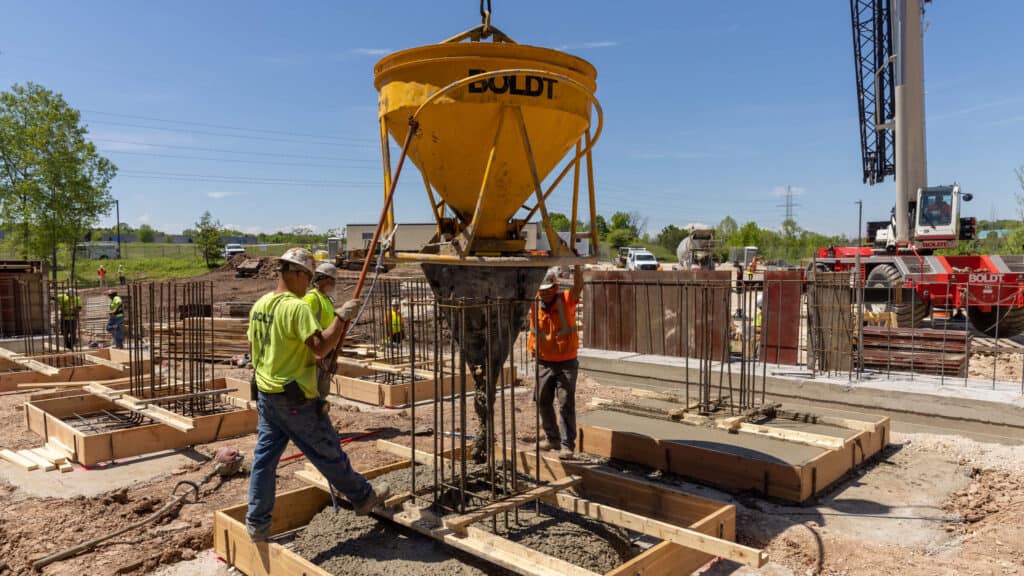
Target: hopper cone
(472, 140)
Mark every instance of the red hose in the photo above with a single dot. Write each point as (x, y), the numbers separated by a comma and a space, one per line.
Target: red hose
(341, 442)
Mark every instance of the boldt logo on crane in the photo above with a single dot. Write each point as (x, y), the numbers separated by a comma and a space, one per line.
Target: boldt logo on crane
(526, 85)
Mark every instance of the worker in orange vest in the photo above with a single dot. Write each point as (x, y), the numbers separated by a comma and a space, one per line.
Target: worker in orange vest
(554, 341)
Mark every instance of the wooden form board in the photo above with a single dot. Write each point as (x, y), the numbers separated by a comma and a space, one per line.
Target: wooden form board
(791, 482)
(348, 384)
(108, 365)
(296, 508)
(46, 418)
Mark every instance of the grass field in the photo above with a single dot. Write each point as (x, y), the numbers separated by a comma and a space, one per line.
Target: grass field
(138, 269)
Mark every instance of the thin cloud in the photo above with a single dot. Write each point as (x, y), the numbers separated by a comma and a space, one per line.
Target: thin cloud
(371, 51)
(781, 190)
(218, 195)
(589, 45)
(976, 108)
(672, 155)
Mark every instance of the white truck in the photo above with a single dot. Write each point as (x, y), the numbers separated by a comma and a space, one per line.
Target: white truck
(641, 260)
(696, 251)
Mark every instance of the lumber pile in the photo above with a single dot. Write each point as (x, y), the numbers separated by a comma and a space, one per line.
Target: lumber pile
(228, 337)
(923, 350)
(45, 458)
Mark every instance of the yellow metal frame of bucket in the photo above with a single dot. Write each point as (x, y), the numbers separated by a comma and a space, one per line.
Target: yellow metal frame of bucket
(560, 253)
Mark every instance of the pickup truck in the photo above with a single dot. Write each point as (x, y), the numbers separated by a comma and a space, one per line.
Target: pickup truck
(641, 260)
(232, 249)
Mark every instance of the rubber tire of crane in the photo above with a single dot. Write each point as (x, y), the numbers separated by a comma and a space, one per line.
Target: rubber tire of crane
(1011, 321)
(908, 314)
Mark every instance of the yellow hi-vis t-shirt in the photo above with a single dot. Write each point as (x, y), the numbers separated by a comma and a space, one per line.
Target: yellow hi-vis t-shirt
(278, 337)
(322, 307)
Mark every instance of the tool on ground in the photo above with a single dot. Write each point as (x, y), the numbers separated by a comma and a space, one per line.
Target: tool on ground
(227, 462)
(342, 442)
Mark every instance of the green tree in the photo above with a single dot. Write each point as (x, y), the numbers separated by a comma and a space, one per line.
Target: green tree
(620, 237)
(559, 221)
(207, 236)
(146, 234)
(54, 186)
(723, 233)
(602, 226)
(670, 237)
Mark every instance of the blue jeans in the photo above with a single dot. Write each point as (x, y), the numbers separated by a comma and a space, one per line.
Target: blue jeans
(558, 379)
(116, 328)
(281, 420)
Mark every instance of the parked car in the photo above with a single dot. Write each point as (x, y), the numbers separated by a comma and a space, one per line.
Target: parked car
(232, 249)
(641, 260)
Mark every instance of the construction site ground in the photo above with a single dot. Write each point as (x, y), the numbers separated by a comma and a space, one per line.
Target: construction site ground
(931, 504)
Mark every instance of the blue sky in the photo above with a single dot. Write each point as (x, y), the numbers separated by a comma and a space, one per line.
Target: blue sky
(711, 108)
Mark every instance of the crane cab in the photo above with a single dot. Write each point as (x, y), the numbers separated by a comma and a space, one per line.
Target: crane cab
(937, 217)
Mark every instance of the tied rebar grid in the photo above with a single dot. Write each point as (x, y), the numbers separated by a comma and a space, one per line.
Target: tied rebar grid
(36, 317)
(452, 342)
(394, 306)
(173, 323)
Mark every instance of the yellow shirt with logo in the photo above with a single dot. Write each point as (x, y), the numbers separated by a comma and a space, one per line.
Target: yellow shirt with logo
(278, 334)
(322, 307)
(116, 307)
(69, 305)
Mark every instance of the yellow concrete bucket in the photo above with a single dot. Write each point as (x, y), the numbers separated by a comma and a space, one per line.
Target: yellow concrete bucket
(493, 120)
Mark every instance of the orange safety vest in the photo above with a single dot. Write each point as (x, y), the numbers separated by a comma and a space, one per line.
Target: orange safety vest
(556, 329)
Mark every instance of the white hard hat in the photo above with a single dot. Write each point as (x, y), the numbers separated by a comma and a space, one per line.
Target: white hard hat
(299, 257)
(327, 270)
(550, 279)
(759, 300)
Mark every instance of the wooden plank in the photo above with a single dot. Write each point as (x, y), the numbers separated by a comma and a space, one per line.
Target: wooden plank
(104, 362)
(796, 436)
(66, 467)
(49, 456)
(18, 460)
(43, 463)
(420, 456)
(461, 522)
(662, 530)
(26, 362)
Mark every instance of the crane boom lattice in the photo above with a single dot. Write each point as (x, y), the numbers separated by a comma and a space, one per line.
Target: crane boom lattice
(872, 47)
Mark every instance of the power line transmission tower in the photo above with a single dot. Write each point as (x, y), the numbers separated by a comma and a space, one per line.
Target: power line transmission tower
(789, 204)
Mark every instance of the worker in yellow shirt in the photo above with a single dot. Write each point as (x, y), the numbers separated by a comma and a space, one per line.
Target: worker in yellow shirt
(286, 342)
(395, 334)
(321, 301)
(115, 322)
(70, 306)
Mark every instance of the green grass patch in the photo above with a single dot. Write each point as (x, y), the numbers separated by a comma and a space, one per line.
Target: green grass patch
(139, 269)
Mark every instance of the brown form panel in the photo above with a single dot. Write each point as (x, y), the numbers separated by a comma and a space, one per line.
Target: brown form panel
(674, 313)
(780, 321)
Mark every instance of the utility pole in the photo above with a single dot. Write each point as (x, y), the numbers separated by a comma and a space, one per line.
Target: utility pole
(860, 214)
(117, 205)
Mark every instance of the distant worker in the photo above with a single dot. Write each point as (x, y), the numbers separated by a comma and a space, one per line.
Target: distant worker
(121, 271)
(395, 334)
(554, 341)
(321, 301)
(286, 341)
(115, 324)
(101, 272)
(70, 306)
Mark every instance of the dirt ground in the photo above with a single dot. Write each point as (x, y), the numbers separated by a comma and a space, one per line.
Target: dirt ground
(930, 505)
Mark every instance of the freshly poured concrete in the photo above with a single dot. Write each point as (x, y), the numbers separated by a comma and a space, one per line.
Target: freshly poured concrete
(706, 438)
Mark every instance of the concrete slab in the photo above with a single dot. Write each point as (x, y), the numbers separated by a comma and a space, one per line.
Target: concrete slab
(944, 405)
(744, 445)
(96, 480)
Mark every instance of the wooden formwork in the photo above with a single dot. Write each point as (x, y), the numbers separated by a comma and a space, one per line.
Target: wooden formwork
(707, 528)
(350, 382)
(100, 364)
(46, 417)
(716, 464)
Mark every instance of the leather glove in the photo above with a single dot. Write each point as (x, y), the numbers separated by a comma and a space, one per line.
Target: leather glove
(349, 309)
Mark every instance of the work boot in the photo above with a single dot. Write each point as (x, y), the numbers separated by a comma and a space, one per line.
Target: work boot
(259, 534)
(549, 444)
(479, 451)
(566, 454)
(377, 496)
